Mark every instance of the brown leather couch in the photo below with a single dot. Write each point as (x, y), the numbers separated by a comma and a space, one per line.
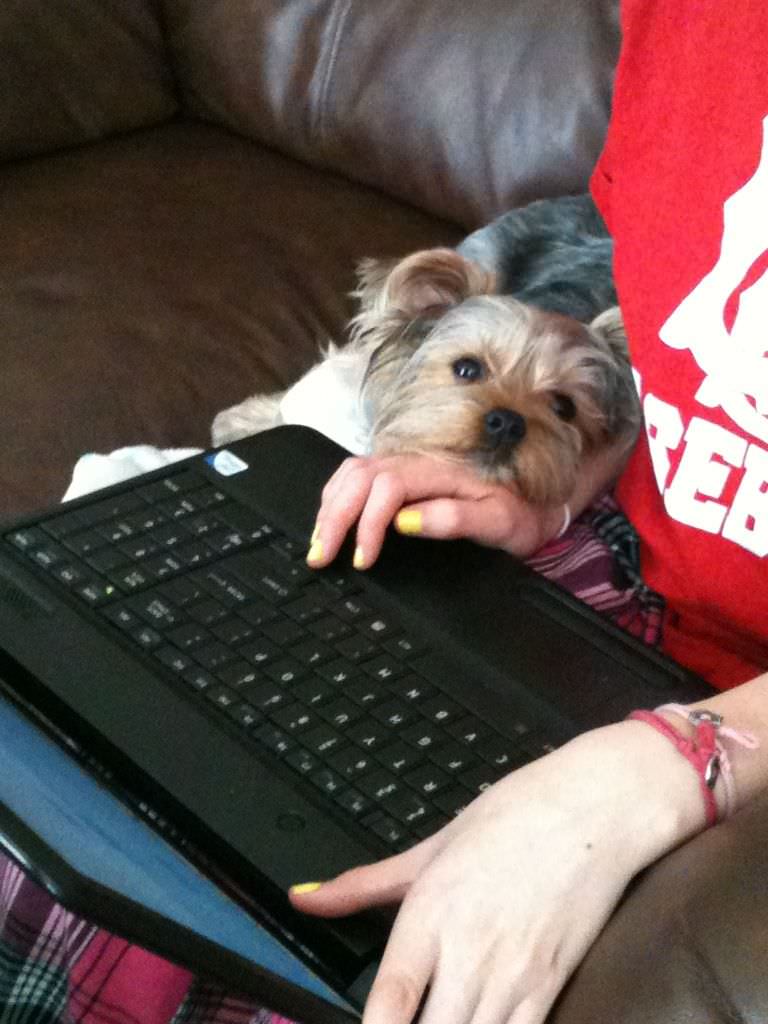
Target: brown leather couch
(185, 188)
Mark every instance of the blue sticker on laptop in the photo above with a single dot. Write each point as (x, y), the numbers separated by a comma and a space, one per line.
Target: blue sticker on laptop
(225, 462)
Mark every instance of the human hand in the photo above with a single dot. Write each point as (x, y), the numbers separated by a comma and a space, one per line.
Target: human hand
(426, 496)
(501, 905)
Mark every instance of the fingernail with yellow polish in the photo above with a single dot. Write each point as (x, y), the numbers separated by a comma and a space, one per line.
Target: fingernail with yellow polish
(315, 534)
(408, 521)
(299, 890)
(358, 559)
(315, 553)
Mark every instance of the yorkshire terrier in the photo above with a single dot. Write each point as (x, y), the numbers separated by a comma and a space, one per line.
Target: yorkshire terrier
(507, 354)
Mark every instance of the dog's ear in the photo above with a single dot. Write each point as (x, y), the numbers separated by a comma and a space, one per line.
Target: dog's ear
(609, 326)
(619, 395)
(426, 282)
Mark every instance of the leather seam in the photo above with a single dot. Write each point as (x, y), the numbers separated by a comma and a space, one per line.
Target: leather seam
(343, 8)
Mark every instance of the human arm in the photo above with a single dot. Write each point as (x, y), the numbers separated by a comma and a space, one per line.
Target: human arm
(503, 903)
(440, 499)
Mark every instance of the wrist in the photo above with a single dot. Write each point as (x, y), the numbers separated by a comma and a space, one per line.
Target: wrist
(655, 791)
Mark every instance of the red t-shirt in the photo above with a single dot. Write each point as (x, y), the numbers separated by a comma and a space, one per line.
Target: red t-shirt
(683, 186)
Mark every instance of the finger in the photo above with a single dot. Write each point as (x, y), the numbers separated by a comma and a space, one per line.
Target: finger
(534, 1008)
(372, 885)
(507, 999)
(454, 992)
(343, 499)
(387, 494)
(404, 972)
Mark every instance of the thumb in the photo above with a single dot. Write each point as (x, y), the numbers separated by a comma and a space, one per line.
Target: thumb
(372, 885)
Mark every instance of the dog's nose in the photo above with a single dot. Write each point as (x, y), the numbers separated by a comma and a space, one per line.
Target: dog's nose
(504, 426)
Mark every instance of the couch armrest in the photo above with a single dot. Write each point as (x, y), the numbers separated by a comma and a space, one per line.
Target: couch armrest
(689, 942)
(76, 70)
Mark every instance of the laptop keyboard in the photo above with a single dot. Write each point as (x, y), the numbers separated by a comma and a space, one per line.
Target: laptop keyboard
(300, 661)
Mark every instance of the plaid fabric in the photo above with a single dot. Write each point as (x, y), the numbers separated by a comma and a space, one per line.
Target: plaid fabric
(56, 968)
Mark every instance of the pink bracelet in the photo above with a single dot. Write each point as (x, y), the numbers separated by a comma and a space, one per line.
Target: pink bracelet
(703, 750)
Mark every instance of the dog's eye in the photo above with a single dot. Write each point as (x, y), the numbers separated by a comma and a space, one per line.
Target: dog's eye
(468, 369)
(562, 406)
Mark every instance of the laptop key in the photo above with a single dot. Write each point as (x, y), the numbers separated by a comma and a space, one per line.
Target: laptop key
(28, 538)
(122, 617)
(213, 655)
(412, 688)
(302, 761)
(70, 575)
(222, 696)
(95, 592)
(312, 652)
(354, 802)
(265, 694)
(294, 718)
(286, 671)
(327, 781)
(351, 609)
(353, 762)
(369, 734)
(198, 678)
(273, 738)
(146, 637)
(384, 667)
(284, 631)
(399, 757)
(387, 828)
(314, 691)
(340, 713)
(453, 801)
(480, 778)
(104, 560)
(207, 613)
(237, 673)
(244, 715)
(357, 648)
(173, 659)
(156, 610)
(409, 808)
(365, 692)
(323, 740)
(423, 735)
(380, 785)
(188, 636)
(470, 731)
(260, 651)
(453, 758)
(404, 647)
(428, 779)
(80, 544)
(329, 629)
(441, 710)
(233, 631)
(503, 754)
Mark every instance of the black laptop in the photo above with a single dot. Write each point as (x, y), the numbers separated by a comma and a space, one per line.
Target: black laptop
(279, 724)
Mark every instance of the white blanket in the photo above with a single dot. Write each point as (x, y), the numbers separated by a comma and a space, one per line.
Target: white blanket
(93, 471)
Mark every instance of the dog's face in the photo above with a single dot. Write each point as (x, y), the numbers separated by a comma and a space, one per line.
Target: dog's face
(518, 394)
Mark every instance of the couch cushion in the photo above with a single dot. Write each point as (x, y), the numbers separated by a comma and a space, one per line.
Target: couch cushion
(76, 70)
(463, 108)
(149, 281)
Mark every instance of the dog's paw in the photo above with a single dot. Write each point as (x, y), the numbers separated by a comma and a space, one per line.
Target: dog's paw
(249, 417)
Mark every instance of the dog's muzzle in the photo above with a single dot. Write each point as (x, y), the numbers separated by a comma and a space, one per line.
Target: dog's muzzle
(504, 426)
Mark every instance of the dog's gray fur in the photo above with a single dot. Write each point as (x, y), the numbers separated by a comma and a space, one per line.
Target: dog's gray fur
(553, 253)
